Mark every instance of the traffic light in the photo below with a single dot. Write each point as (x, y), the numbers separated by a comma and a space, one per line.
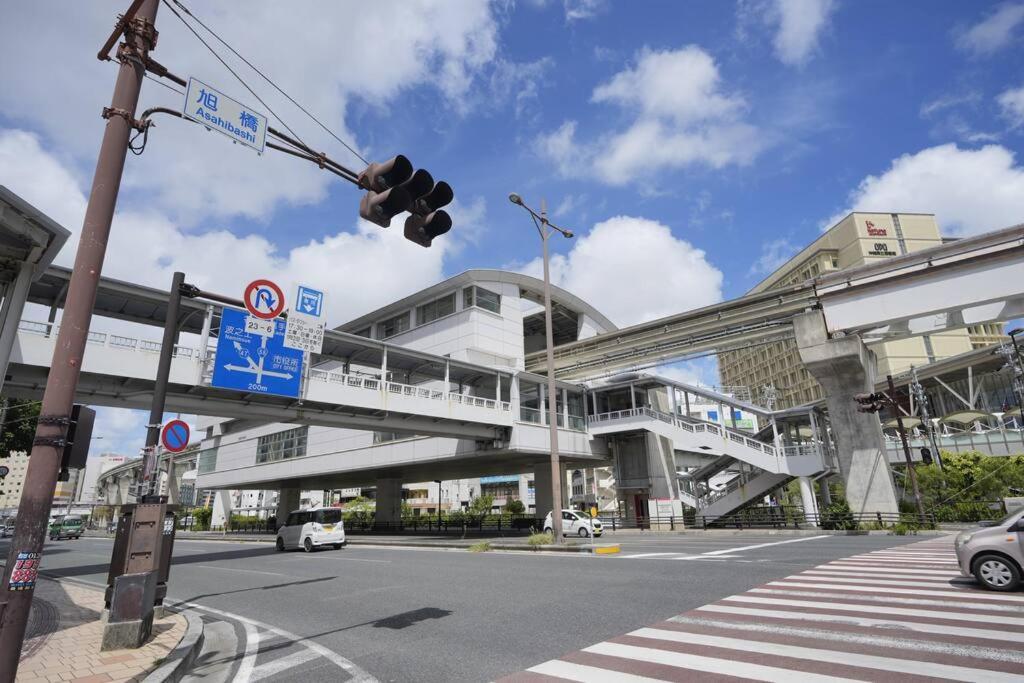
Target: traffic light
(870, 403)
(428, 220)
(76, 444)
(385, 198)
(393, 187)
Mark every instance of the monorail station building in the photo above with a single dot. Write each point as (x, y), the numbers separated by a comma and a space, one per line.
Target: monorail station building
(458, 349)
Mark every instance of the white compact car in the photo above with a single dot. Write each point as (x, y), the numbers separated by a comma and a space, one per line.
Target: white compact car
(309, 529)
(576, 524)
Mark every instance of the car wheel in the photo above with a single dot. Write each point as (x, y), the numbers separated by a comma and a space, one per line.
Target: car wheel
(307, 544)
(583, 532)
(337, 546)
(997, 573)
(280, 544)
(548, 530)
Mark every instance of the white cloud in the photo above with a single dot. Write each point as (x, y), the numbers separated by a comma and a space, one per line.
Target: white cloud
(681, 117)
(634, 270)
(799, 27)
(773, 254)
(446, 45)
(1011, 105)
(994, 32)
(518, 82)
(970, 190)
(575, 10)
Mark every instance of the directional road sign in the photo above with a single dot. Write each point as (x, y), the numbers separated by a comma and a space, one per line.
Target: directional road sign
(254, 363)
(263, 299)
(218, 112)
(305, 329)
(175, 436)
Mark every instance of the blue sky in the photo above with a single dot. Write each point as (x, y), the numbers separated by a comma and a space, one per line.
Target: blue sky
(692, 146)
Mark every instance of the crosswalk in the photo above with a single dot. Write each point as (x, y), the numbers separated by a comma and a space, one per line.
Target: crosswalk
(900, 614)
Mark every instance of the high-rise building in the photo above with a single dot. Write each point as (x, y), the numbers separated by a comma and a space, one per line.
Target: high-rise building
(11, 485)
(857, 239)
(94, 467)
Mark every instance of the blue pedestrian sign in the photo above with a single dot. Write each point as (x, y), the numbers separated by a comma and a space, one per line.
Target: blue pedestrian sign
(252, 362)
(310, 302)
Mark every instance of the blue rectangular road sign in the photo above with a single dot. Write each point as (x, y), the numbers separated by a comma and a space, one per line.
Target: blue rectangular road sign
(253, 363)
(310, 302)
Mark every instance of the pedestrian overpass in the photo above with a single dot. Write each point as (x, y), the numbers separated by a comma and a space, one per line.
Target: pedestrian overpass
(371, 385)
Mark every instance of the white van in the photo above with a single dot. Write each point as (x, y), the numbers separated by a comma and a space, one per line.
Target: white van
(309, 529)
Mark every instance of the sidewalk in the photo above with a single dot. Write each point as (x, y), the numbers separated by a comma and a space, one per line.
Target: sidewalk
(62, 642)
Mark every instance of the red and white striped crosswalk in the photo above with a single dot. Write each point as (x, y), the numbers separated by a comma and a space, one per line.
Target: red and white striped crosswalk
(901, 614)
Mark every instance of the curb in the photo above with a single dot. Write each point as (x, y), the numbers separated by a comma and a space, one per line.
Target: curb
(181, 658)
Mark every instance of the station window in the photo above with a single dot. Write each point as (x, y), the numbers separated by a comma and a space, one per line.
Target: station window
(393, 326)
(365, 332)
(281, 445)
(481, 298)
(433, 310)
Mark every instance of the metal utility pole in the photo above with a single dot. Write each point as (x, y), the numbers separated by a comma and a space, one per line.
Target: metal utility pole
(58, 397)
(544, 228)
(1017, 365)
(911, 474)
(163, 372)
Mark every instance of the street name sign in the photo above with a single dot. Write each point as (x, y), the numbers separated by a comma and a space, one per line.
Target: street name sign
(254, 363)
(218, 112)
(263, 299)
(305, 328)
(175, 435)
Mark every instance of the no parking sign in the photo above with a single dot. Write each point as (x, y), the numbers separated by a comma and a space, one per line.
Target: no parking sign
(175, 436)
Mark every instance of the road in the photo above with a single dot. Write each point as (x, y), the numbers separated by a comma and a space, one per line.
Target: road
(424, 614)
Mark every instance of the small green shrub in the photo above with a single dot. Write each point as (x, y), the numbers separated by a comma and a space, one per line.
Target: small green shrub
(838, 517)
(480, 547)
(903, 528)
(536, 540)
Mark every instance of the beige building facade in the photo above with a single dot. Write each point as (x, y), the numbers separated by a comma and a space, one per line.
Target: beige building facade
(857, 239)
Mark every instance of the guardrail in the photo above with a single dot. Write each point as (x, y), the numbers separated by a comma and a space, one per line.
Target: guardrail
(779, 517)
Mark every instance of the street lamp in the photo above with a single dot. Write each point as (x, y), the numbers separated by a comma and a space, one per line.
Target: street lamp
(544, 228)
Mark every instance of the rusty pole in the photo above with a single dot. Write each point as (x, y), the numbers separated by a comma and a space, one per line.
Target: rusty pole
(58, 397)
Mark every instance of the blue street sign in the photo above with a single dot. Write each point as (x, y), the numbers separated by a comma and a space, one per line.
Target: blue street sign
(310, 301)
(252, 362)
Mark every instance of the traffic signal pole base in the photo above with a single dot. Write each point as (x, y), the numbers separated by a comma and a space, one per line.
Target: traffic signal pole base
(130, 620)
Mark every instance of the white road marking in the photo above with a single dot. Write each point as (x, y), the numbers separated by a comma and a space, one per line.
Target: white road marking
(885, 579)
(281, 664)
(725, 667)
(586, 674)
(875, 569)
(633, 557)
(252, 647)
(882, 609)
(728, 551)
(238, 569)
(357, 674)
(974, 594)
(921, 627)
(923, 668)
(889, 599)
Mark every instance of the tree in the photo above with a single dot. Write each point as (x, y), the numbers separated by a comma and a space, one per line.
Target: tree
(515, 507)
(481, 505)
(19, 425)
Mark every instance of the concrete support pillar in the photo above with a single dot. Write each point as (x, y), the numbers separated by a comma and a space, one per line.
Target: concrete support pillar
(845, 367)
(542, 489)
(809, 502)
(10, 315)
(221, 509)
(287, 502)
(389, 502)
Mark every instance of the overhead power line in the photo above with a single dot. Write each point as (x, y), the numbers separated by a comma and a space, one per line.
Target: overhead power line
(269, 80)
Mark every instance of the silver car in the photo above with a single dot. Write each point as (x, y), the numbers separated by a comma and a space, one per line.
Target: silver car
(994, 555)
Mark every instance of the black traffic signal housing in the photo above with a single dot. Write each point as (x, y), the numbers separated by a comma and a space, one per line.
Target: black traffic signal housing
(394, 187)
(926, 455)
(870, 403)
(76, 443)
(385, 198)
(428, 220)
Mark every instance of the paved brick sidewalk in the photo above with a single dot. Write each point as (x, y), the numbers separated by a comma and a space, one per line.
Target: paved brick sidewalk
(64, 633)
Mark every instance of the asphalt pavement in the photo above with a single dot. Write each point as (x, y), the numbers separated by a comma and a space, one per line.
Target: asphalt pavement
(431, 614)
